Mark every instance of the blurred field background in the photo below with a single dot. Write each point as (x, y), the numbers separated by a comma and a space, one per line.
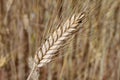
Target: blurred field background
(92, 54)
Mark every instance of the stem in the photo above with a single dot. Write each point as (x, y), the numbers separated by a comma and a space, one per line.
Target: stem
(33, 69)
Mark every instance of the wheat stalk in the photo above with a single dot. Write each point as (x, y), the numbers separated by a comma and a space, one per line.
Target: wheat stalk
(56, 40)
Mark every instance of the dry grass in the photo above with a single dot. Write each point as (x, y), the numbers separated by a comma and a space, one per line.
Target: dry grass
(52, 45)
(92, 54)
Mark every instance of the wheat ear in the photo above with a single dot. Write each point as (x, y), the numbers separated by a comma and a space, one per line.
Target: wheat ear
(56, 40)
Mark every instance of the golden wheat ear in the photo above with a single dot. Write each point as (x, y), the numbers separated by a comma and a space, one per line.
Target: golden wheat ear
(55, 41)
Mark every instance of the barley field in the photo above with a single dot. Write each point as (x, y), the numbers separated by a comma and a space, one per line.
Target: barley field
(59, 39)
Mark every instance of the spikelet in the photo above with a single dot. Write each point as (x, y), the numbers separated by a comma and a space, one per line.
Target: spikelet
(57, 39)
